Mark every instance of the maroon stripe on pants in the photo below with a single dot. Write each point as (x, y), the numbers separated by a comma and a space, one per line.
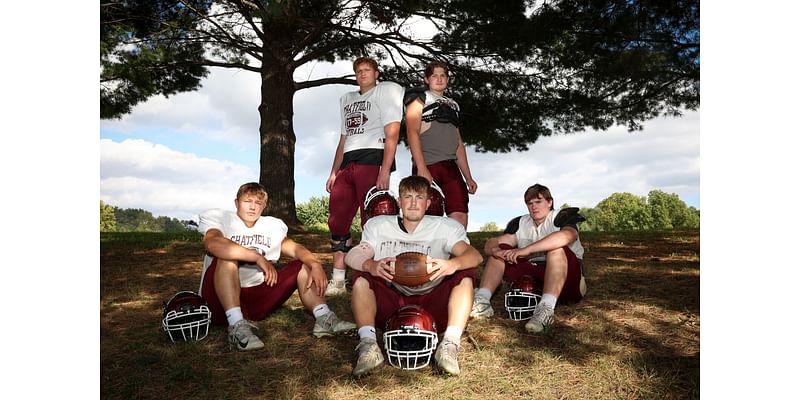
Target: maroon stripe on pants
(257, 302)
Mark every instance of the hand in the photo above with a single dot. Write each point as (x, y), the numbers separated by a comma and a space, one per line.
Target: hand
(441, 268)
(381, 268)
(382, 183)
(472, 186)
(317, 277)
(512, 255)
(425, 173)
(329, 183)
(270, 273)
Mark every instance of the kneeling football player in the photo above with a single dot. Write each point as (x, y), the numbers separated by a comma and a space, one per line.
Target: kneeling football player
(447, 295)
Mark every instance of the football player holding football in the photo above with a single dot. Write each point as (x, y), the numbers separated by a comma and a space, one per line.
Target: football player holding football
(448, 293)
(437, 152)
(543, 244)
(364, 157)
(239, 280)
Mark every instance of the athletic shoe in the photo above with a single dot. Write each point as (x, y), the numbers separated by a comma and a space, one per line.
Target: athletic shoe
(240, 335)
(335, 288)
(330, 324)
(542, 320)
(369, 356)
(447, 356)
(481, 307)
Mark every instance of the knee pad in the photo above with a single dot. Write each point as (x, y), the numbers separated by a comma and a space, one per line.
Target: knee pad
(339, 243)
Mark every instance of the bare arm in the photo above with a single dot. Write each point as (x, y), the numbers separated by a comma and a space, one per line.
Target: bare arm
(360, 258)
(392, 133)
(316, 274)
(413, 128)
(463, 165)
(492, 246)
(555, 240)
(465, 257)
(226, 249)
(337, 163)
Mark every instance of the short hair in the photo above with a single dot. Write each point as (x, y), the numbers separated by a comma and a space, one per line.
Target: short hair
(253, 188)
(436, 64)
(365, 60)
(415, 183)
(536, 191)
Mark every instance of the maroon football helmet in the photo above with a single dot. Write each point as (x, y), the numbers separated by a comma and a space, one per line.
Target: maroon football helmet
(186, 317)
(380, 202)
(410, 337)
(437, 201)
(523, 297)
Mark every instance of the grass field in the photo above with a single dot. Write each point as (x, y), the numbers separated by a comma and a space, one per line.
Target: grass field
(635, 336)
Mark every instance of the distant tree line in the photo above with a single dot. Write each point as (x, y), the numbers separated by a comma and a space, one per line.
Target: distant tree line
(619, 212)
(115, 219)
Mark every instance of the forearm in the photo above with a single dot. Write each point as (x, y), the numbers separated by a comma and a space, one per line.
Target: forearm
(555, 240)
(226, 249)
(392, 133)
(469, 259)
(358, 257)
(461, 160)
(337, 158)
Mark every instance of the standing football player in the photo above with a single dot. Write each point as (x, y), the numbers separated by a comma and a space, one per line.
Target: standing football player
(448, 294)
(544, 244)
(364, 157)
(239, 279)
(437, 152)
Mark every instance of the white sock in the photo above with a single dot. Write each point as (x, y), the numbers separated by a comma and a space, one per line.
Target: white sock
(321, 310)
(367, 331)
(549, 300)
(453, 332)
(485, 293)
(234, 315)
(338, 274)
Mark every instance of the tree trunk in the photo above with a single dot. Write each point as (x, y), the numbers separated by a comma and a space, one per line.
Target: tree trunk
(277, 143)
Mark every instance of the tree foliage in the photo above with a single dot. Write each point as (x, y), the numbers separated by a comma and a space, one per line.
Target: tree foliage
(490, 227)
(314, 215)
(628, 212)
(139, 220)
(108, 221)
(520, 69)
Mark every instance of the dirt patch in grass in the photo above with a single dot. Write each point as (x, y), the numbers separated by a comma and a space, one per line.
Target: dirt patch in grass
(636, 335)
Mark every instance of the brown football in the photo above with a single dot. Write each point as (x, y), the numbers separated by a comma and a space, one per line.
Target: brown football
(411, 269)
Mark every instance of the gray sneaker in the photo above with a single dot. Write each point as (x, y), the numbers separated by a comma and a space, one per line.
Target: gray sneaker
(481, 307)
(542, 320)
(240, 335)
(369, 357)
(335, 288)
(329, 324)
(447, 356)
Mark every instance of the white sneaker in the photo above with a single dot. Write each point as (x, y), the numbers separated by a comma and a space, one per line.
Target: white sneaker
(542, 320)
(369, 356)
(447, 356)
(336, 288)
(481, 307)
(240, 335)
(329, 324)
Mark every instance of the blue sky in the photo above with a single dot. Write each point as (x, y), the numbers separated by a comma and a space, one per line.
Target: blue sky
(178, 156)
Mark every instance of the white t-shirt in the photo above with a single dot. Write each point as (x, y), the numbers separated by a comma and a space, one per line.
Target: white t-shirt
(365, 115)
(529, 233)
(434, 236)
(265, 236)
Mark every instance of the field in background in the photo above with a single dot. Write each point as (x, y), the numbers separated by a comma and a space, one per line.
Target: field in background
(635, 336)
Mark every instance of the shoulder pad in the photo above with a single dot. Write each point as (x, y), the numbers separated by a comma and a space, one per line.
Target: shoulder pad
(568, 216)
(513, 226)
(413, 94)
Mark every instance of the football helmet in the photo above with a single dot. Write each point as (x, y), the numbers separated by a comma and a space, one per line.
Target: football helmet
(380, 202)
(410, 337)
(523, 297)
(437, 201)
(186, 317)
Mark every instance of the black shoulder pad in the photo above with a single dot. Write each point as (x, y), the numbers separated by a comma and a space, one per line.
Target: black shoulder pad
(568, 216)
(413, 94)
(513, 226)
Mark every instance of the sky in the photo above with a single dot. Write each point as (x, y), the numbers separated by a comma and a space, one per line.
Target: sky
(180, 155)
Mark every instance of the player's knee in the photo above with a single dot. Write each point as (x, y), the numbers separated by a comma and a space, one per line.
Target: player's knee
(340, 243)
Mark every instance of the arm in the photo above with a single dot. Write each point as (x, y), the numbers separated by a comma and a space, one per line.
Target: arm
(463, 165)
(224, 248)
(392, 133)
(465, 257)
(337, 163)
(360, 258)
(492, 246)
(413, 127)
(555, 240)
(316, 274)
